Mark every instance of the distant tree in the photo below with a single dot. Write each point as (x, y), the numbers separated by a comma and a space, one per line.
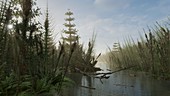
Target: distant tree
(82, 59)
(71, 32)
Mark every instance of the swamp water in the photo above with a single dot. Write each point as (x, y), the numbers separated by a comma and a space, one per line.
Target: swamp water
(123, 83)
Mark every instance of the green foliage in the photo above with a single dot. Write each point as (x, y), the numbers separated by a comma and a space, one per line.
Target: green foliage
(71, 32)
(82, 59)
(30, 64)
(151, 54)
(28, 59)
(29, 85)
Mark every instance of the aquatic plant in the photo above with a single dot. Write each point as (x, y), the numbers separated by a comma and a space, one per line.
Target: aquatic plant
(25, 68)
(30, 62)
(150, 54)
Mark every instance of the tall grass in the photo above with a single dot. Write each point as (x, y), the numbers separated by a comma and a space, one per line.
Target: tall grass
(24, 68)
(30, 63)
(150, 54)
(84, 59)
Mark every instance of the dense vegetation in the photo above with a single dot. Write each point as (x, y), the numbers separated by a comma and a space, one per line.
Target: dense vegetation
(80, 57)
(30, 62)
(151, 54)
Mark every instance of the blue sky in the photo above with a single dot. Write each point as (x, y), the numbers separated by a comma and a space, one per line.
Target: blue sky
(111, 20)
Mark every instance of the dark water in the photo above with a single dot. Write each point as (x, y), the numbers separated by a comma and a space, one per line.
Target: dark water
(124, 83)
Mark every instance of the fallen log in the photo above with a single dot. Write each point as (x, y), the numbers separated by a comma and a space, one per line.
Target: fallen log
(102, 75)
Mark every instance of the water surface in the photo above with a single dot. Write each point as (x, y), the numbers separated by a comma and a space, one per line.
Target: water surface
(123, 83)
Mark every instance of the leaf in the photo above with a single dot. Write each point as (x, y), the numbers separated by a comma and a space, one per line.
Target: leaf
(25, 84)
(24, 93)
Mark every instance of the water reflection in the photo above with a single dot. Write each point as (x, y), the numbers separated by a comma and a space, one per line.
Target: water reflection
(119, 84)
(87, 86)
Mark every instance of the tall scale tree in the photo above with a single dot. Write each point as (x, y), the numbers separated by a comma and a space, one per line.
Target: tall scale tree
(48, 41)
(71, 32)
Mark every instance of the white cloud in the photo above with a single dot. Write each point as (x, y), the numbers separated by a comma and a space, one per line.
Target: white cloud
(91, 17)
(112, 4)
(110, 30)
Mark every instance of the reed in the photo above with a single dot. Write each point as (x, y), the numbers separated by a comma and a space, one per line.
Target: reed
(25, 70)
(30, 62)
(83, 59)
(150, 54)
